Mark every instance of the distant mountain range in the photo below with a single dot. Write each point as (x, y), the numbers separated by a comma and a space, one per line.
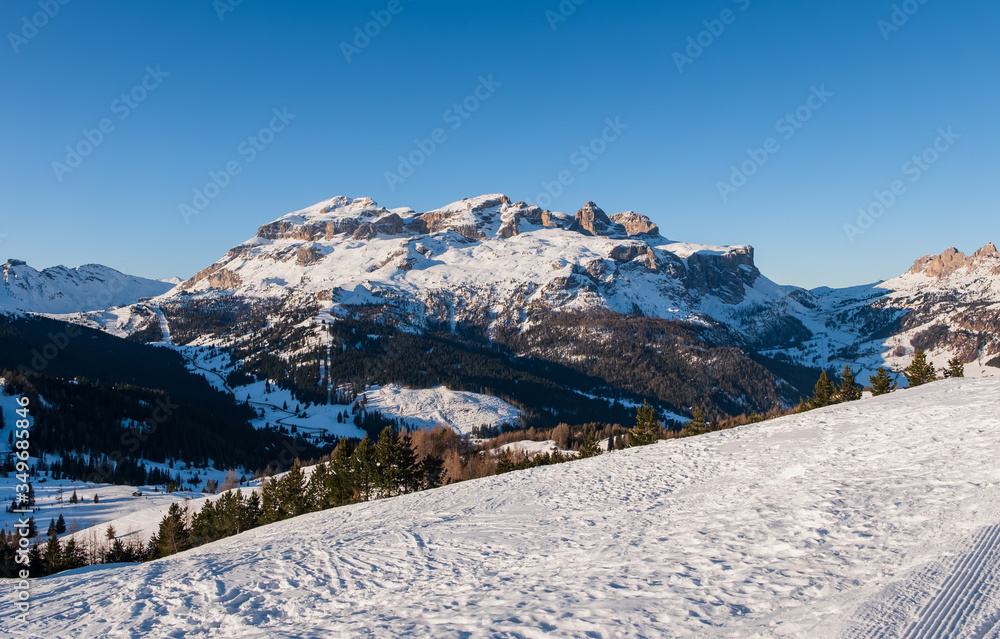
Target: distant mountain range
(623, 312)
(60, 290)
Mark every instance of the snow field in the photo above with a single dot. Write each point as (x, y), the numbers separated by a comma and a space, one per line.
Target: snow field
(811, 525)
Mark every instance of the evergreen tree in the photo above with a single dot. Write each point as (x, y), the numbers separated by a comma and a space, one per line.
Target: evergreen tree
(388, 451)
(697, 425)
(270, 507)
(955, 368)
(205, 526)
(74, 499)
(52, 528)
(849, 389)
(173, 535)
(342, 488)
(504, 463)
(823, 392)
(881, 383)
(118, 554)
(647, 429)
(318, 491)
(410, 474)
(72, 556)
(110, 533)
(52, 557)
(432, 472)
(364, 469)
(920, 371)
(60, 525)
(292, 491)
(591, 447)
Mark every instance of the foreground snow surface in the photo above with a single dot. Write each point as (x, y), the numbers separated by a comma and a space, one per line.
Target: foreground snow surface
(879, 518)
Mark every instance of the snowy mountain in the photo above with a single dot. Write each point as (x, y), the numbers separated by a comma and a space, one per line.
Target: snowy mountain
(519, 276)
(492, 264)
(876, 518)
(61, 290)
(947, 304)
(590, 293)
(484, 262)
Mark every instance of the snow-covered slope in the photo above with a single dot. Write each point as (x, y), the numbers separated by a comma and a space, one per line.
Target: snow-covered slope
(430, 407)
(877, 518)
(61, 290)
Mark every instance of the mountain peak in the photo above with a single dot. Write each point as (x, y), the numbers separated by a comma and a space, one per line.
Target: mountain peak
(592, 220)
(990, 250)
(951, 260)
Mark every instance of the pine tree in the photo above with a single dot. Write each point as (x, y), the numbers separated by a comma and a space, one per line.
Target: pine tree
(250, 510)
(920, 371)
(364, 469)
(823, 392)
(410, 475)
(60, 525)
(955, 368)
(118, 554)
(173, 535)
(697, 425)
(318, 490)
(432, 472)
(72, 556)
(342, 487)
(52, 528)
(504, 463)
(110, 533)
(591, 447)
(74, 499)
(881, 383)
(387, 455)
(270, 501)
(292, 490)
(205, 525)
(849, 389)
(52, 557)
(647, 429)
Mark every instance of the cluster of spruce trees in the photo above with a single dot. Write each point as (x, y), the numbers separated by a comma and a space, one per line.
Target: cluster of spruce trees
(827, 393)
(355, 473)
(919, 372)
(364, 472)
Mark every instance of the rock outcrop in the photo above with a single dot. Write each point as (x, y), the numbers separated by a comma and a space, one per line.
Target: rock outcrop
(951, 260)
(635, 223)
(591, 220)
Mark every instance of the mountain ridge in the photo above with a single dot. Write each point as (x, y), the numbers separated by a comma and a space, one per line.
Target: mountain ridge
(492, 273)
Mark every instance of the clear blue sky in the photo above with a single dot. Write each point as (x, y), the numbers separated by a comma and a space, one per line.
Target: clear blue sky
(120, 206)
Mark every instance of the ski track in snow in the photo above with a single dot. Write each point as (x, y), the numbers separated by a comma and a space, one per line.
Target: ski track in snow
(952, 592)
(878, 518)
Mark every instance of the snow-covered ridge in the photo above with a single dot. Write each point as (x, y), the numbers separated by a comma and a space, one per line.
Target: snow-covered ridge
(866, 519)
(482, 259)
(60, 290)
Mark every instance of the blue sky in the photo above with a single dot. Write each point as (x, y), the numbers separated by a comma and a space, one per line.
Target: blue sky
(557, 72)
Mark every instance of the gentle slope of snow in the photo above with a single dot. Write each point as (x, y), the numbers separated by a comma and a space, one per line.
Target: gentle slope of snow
(860, 520)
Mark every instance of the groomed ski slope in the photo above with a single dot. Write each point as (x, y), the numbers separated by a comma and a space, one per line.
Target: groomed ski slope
(878, 518)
